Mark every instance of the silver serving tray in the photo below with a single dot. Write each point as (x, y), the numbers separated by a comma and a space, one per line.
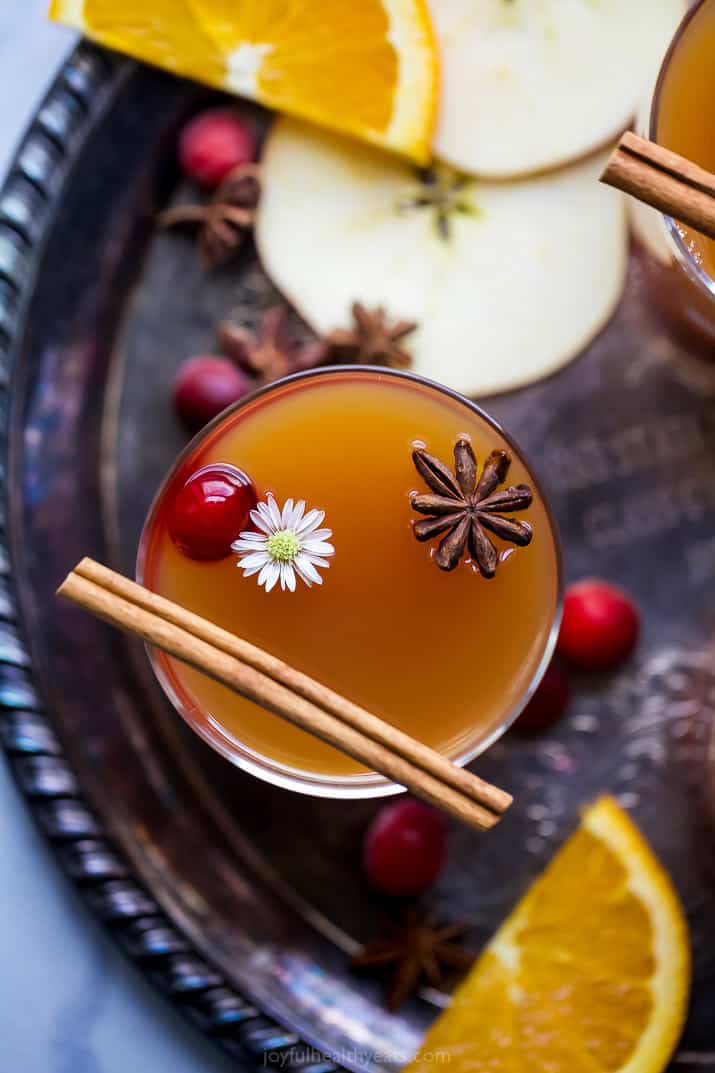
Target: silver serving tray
(242, 902)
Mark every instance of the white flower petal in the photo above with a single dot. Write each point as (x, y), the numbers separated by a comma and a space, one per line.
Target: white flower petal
(312, 520)
(319, 534)
(318, 547)
(269, 575)
(298, 513)
(250, 570)
(265, 570)
(244, 544)
(287, 577)
(251, 534)
(259, 540)
(303, 564)
(301, 573)
(286, 514)
(316, 560)
(255, 558)
(274, 513)
(261, 519)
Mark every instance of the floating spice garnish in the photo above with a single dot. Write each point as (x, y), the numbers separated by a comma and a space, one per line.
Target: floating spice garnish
(270, 352)
(225, 219)
(465, 509)
(373, 339)
(419, 950)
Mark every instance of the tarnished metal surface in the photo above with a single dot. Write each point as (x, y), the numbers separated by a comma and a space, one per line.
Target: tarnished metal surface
(241, 901)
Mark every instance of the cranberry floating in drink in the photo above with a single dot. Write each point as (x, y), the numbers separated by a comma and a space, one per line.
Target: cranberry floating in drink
(208, 510)
(444, 636)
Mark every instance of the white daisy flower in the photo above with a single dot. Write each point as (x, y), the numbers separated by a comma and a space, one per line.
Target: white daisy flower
(289, 542)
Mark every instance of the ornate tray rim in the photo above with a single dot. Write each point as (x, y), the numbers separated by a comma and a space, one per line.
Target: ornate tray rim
(31, 190)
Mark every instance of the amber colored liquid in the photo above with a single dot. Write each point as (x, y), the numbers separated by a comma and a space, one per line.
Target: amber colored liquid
(447, 657)
(686, 110)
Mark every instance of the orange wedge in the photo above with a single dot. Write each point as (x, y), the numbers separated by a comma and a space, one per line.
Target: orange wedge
(590, 973)
(366, 68)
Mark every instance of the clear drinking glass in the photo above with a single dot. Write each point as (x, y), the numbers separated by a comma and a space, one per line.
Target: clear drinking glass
(451, 658)
(681, 118)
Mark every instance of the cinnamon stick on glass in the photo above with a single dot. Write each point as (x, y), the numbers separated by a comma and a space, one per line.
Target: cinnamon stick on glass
(675, 186)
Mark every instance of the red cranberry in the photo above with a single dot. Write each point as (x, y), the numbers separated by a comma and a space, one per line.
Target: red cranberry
(214, 143)
(206, 385)
(600, 625)
(210, 510)
(404, 848)
(548, 703)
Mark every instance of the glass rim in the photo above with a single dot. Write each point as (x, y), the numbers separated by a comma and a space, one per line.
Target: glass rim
(368, 784)
(673, 231)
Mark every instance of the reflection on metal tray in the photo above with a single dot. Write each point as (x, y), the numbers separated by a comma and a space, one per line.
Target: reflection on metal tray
(242, 903)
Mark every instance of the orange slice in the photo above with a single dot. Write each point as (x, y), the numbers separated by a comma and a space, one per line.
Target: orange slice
(366, 68)
(590, 973)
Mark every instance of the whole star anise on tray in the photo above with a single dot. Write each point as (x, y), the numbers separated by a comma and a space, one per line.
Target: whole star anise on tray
(465, 509)
(373, 339)
(225, 219)
(269, 353)
(416, 949)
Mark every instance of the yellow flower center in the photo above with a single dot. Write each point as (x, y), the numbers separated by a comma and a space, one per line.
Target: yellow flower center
(283, 546)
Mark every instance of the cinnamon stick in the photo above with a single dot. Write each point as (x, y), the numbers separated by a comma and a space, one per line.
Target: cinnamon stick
(668, 182)
(250, 671)
(416, 751)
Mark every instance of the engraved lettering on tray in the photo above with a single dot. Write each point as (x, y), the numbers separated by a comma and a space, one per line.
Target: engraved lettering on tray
(700, 561)
(608, 523)
(650, 444)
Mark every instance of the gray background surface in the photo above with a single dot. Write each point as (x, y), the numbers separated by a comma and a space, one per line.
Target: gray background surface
(69, 1003)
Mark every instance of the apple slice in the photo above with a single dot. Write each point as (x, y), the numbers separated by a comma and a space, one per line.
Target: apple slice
(650, 229)
(531, 84)
(507, 281)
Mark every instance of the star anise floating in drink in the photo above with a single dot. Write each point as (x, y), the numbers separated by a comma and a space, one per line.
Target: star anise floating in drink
(417, 950)
(467, 510)
(225, 219)
(270, 352)
(373, 340)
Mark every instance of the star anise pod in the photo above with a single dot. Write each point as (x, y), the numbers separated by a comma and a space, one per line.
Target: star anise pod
(269, 353)
(225, 219)
(465, 509)
(373, 339)
(417, 949)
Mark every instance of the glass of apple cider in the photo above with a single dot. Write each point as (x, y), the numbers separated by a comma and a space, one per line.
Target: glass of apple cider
(449, 654)
(682, 120)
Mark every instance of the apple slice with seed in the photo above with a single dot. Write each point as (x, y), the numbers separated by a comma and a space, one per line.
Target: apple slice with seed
(507, 281)
(528, 85)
